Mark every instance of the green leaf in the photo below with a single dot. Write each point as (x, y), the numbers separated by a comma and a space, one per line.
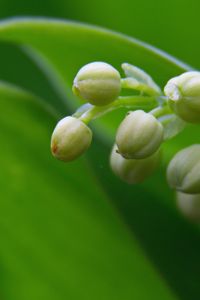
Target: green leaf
(71, 229)
(60, 237)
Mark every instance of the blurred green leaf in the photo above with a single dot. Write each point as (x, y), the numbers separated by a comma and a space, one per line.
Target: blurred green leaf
(60, 237)
(85, 252)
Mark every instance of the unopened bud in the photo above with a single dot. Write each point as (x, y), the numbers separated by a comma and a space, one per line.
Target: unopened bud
(139, 135)
(183, 173)
(189, 205)
(70, 139)
(98, 83)
(184, 96)
(133, 171)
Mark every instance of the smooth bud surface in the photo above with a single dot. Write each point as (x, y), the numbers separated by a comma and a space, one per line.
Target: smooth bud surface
(183, 173)
(70, 139)
(133, 171)
(98, 83)
(189, 205)
(184, 96)
(139, 135)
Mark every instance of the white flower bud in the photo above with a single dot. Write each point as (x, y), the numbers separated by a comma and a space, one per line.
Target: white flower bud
(183, 173)
(189, 205)
(139, 135)
(133, 171)
(98, 83)
(70, 139)
(184, 96)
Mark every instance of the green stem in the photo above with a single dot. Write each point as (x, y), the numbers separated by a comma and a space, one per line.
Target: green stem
(132, 102)
(161, 111)
(134, 84)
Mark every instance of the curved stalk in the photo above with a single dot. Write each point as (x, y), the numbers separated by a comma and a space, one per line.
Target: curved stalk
(89, 112)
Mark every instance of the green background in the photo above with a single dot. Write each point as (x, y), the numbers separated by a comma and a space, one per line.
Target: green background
(170, 25)
(74, 231)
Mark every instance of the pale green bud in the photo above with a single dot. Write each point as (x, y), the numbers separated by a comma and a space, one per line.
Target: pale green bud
(98, 83)
(70, 139)
(139, 135)
(133, 171)
(183, 173)
(184, 96)
(189, 205)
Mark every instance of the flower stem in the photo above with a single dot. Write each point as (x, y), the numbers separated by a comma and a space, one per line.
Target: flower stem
(161, 111)
(90, 112)
(131, 83)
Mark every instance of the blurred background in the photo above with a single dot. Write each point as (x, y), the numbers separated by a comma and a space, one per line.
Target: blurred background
(170, 25)
(91, 259)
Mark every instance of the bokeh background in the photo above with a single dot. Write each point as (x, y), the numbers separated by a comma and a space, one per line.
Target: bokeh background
(126, 255)
(171, 25)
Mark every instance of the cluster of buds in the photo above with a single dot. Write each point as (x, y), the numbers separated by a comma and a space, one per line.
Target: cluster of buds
(137, 149)
(183, 175)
